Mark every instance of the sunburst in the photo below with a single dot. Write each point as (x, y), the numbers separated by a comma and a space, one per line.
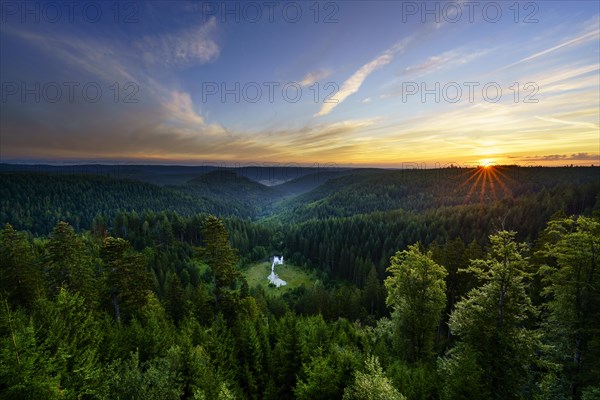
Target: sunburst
(487, 181)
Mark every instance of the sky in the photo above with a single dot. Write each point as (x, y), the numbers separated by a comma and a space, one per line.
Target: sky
(346, 83)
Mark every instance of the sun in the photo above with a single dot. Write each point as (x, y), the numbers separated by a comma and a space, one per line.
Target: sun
(488, 180)
(486, 163)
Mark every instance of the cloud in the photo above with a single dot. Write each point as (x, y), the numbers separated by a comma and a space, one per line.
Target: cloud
(585, 156)
(174, 129)
(561, 157)
(431, 64)
(352, 84)
(117, 59)
(181, 110)
(591, 35)
(447, 59)
(187, 47)
(570, 123)
(88, 54)
(314, 76)
(575, 41)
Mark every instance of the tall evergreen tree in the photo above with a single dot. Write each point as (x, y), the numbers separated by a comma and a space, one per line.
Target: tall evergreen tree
(128, 281)
(69, 263)
(221, 258)
(416, 293)
(496, 348)
(572, 287)
(21, 281)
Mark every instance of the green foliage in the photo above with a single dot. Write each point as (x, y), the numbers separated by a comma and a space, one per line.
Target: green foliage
(150, 303)
(286, 355)
(320, 380)
(26, 371)
(418, 381)
(128, 282)
(416, 292)
(158, 379)
(222, 259)
(69, 335)
(21, 280)
(591, 393)
(69, 264)
(571, 282)
(372, 384)
(463, 379)
(37, 202)
(492, 326)
(250, 331)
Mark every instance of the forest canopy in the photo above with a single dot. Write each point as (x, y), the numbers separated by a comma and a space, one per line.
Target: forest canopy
(119, 289)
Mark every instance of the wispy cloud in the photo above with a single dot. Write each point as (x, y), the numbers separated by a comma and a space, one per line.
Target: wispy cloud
(570, 123)
(181, 109)
(452, 58)
(116, 59)
(88, 54)
(163, 109)
(352, 84)
(190, 46)
(580, 39)
(591, 33)
(560, 157)
(315, 76)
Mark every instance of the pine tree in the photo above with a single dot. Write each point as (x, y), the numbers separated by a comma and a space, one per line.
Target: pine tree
(253, 349)
(373, 294)
(26, 371)
(69, 264)
(69, 334)
(320, 380)
(286, 355)
(128, 281)
(174, 297)
(221, 258)
(21, 281)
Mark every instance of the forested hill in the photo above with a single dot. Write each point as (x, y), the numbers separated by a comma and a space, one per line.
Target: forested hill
(37, 201)
(417, 190)
(236, 195)
(268, 174)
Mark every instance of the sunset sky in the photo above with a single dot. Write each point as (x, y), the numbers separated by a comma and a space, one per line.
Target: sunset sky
(373, 58)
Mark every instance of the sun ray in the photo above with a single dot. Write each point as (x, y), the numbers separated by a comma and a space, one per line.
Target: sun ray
(489, 182)
(473, 185)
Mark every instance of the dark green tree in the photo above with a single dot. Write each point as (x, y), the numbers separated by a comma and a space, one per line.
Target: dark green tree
(69, 334)
(496, 348)
(222, 259)
(69, 264)
(416, 293)
(572, 288)
(26, 370)
(286, 361)
(21, 280)
(128, 281)
(374, 293)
